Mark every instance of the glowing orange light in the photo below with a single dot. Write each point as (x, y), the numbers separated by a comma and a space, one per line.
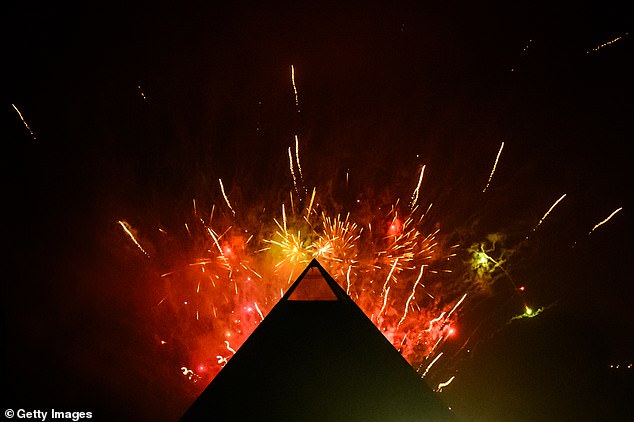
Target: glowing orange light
(395, 228)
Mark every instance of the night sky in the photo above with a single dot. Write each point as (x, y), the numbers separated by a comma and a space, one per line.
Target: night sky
(135, 109)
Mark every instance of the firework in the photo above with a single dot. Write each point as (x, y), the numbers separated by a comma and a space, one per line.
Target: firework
(416, 191)
(26, 125)
(224, 195)
(495, 164)
(129, 231)
(607, 43)
(445, 384)
(608, 218)
(552, 207)
(142, 93)
(398, 266)
(295, 88)
(391, 266)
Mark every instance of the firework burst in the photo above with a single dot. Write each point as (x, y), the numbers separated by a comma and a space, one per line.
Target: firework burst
(230, 268)
(394, 267)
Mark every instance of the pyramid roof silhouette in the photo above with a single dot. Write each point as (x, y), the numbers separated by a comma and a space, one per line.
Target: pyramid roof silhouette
(317, 357)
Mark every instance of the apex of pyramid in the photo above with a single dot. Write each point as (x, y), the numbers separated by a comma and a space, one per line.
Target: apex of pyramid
(314, 283)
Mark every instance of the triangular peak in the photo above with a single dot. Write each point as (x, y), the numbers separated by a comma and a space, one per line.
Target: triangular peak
(313, 284)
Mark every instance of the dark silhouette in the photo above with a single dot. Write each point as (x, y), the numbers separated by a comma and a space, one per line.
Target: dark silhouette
(317, 357)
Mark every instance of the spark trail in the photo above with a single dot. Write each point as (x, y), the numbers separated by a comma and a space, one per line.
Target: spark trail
(128, 230)
(224, 195)
(608, 218)
(26, 125)
(141, 93)
(414, 199)
(497, 158)
(445, 384)
(295, 89)
(548, 213)
(606, 44)
(299, 166)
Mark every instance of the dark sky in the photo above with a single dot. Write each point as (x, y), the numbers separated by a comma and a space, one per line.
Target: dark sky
(383, 86)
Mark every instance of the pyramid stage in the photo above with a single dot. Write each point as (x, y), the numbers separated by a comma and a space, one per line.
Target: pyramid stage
(317, 357)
